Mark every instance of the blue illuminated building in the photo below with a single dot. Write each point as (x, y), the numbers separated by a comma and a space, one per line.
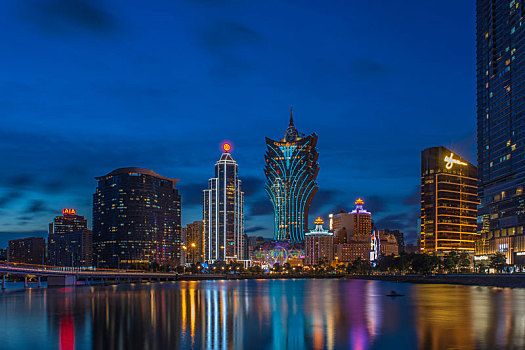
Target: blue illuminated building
(291, 170)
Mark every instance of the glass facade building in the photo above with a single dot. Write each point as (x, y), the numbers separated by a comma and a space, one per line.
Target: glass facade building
(223, 212)
(291, 170)
(449, 201)
(30, 250)
(136, 219)
(500, 38)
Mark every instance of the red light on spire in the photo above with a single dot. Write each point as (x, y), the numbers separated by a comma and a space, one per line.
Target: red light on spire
(226, 147)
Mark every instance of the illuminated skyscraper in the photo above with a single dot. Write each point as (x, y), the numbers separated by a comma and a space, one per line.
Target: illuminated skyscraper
(136, 219)
(291, 169)
(448, 202)
(223, 212)
(70, 242)
(500, 33)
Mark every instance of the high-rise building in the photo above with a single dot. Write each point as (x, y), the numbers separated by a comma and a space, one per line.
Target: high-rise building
(357, 222)
(223, 212)
(136, 219)
(319, 245)
(194, 242)
(500, 36)
(449, 202)
(30, 250)
(291, 169)
(70, 242)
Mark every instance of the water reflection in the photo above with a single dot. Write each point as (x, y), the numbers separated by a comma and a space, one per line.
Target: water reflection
(263, 314)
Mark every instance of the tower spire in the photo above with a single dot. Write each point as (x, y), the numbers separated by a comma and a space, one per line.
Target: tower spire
(291, 115)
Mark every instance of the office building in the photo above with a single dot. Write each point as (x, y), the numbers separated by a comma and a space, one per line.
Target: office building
(70, 242)
(30, 250)
(500, 31)
(223, 212)
(319, 245)
(449, 202)
(291, 170)
(136, 219)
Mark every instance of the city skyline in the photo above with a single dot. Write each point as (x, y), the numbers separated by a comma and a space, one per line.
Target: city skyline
(77, 126)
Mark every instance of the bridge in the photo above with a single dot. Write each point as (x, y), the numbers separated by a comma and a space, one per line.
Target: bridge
(65, 276)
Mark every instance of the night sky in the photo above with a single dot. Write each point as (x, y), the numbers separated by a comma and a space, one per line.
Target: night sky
(89, 86)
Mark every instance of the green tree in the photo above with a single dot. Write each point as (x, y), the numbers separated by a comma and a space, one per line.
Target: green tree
(464, 262)
(424, 263)
(451, 262)
(498, 262)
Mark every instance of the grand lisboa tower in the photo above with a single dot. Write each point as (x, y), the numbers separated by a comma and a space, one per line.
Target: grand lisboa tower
(291, 169)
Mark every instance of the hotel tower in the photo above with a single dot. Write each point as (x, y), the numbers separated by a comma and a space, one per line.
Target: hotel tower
(500, 34)
(291, 169)
(223, 212)
(449, 202)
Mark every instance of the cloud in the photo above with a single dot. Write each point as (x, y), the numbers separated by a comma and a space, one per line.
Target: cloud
(252, 186)
(254, 229)
(322, 199)
(375, 204)
(66, 15)
(406, 222)
(223, 34)
(19, 181)
(38, 206)
(9, 197)
(414, 198)
(260, 206)
(367, 68)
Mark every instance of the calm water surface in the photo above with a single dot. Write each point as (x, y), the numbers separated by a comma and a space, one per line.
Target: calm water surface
(263, 314)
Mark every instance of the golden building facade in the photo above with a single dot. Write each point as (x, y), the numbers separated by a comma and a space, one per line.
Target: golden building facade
(449, 201)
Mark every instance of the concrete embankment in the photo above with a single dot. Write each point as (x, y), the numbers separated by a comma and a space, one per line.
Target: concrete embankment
(509, 281)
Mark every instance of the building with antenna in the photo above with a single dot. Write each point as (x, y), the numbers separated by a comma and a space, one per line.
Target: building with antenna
(291, 170)
(223, 212)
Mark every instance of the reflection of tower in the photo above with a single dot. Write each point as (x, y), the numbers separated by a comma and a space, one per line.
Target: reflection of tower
(223, 215)
(291, 169)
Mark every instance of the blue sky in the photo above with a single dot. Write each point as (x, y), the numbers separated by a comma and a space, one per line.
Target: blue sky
(88, 86)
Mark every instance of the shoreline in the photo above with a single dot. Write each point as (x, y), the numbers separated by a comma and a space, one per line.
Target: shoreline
(501, 281)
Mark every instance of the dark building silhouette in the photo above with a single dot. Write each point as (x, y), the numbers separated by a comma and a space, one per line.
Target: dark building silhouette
(30, 250)
(136, 219)
(501, 126)
(70, 242)
(291, 170)
(449, 202)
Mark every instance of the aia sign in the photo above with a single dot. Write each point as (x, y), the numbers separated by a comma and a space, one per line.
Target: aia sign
(69, 212)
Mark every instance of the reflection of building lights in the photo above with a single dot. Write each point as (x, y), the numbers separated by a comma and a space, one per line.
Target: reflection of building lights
(67, 334)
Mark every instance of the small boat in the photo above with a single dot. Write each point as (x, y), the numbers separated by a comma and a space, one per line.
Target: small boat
(393, 293)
